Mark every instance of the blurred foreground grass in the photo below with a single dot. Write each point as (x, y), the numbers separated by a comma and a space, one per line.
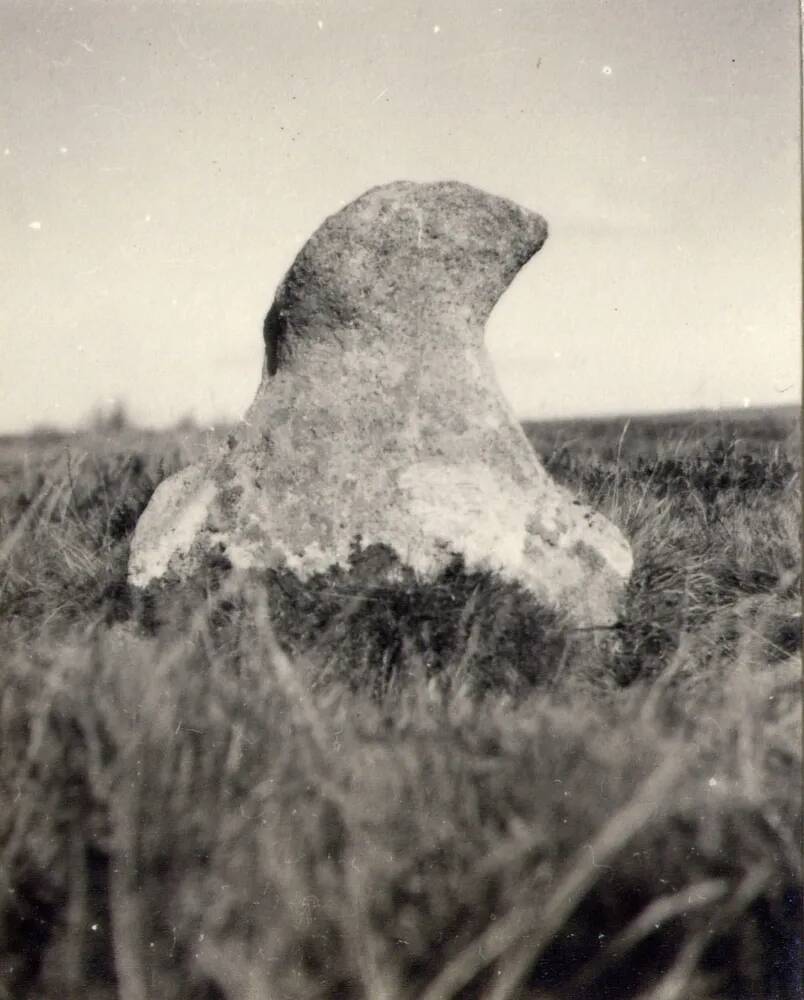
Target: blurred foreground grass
(194, 814)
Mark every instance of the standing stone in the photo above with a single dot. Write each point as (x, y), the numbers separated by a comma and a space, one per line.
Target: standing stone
(379, 420)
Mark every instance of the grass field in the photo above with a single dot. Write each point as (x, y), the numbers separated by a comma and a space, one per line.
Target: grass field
(248, 792)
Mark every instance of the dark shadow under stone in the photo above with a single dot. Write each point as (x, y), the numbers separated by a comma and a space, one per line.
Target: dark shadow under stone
(374, 625)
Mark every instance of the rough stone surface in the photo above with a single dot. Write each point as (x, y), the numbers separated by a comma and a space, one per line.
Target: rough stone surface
(379, 419)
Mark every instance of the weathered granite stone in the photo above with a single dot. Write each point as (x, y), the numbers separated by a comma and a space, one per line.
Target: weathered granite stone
(379, 419)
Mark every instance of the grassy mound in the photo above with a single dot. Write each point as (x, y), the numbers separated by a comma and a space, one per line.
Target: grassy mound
(373, 789)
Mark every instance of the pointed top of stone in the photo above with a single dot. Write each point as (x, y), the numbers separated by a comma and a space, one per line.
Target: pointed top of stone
(396, 261)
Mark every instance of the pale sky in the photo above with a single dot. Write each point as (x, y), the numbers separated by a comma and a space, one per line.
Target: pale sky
(163, 162)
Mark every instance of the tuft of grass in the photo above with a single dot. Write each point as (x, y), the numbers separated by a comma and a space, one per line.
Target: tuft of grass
(374, 626)
(368, 788)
